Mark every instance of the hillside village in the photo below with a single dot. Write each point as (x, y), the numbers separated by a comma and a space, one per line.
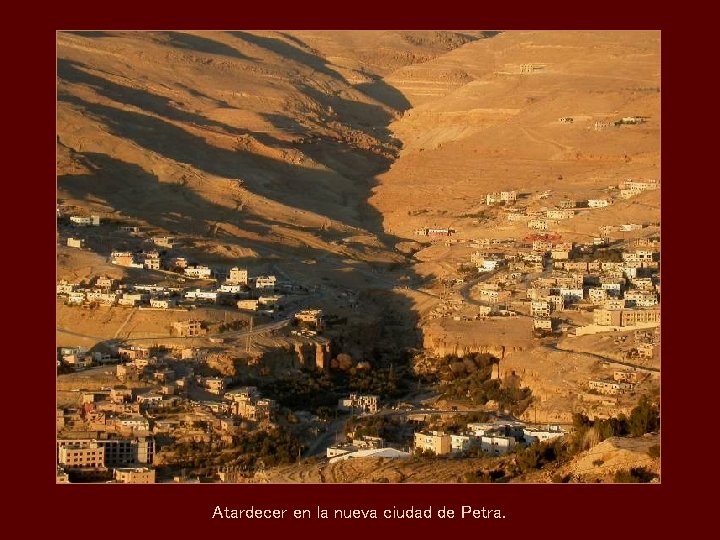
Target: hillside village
(163, 392)
(453, 272)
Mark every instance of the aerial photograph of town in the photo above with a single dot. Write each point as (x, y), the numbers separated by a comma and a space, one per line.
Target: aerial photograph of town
(358, 256)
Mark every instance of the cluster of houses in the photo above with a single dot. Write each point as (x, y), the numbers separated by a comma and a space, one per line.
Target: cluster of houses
(600, 125)
(492, 438)
(435, 231)
(544, 219)
(630, 188)
(107, 291)
(152, 398)
(252, 294)
(128, 458)
(500, 197)
(623, 292)
(623, 381)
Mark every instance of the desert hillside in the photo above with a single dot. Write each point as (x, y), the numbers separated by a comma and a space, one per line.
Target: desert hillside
(402, 212)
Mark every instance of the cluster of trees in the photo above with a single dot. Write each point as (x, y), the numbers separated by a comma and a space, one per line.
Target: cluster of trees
(272, 447)
(636, 475)
(470, 379)
(484, 477)
(232, 326)
(374, 426)
(319, 390)
(644, 418)
(384, 382)
(308, 390)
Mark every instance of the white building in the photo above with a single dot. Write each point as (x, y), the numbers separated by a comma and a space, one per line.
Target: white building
(362, 402)
(128, 299)
(639, 186)
(75, 298)
(542, 324)
(164, 241)
(84, 221)
(570, 295)
(199, 272)
(162, 303)
(197, 294)
(538, 224)
(564, 213)
(375, 453)
(538, 434)
(488, 265)
(137, 423)
(459, 444)
(598, 203)
(266, 283)
(64, 287)
(497, 445)
(230, 288)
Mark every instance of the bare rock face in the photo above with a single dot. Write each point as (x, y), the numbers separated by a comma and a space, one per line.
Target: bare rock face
(222, 363)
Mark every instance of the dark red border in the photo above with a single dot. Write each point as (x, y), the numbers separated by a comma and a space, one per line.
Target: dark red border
(533, 510)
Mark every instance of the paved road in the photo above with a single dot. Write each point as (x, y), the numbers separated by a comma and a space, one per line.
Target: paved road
(260, 329)
(334, 428)
(605, 359)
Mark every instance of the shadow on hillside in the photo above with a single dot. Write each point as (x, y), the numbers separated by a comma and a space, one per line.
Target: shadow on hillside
(193, 42)
(76, 73)
(195, 93)
(366, 117)
(293, 185)
(341, 193)
(285, 50)
(388, 95)
(138, 195)
(90, 33)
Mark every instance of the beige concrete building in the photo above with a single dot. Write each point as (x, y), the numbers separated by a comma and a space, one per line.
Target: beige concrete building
(438, 442)
(115, 452)
(626, 317)
(81, 456)
(237, 276)
(632, 377)
(198, 272)
(542, 324)
(540, 308)
(606, 317)
(188, 328)
(247, 305)
(215, 385)
(134, 475)
(164, 241)
(363, 402)
(610, 388)
(267, 283)
(632, 317)
(122, 258)
(310, 316)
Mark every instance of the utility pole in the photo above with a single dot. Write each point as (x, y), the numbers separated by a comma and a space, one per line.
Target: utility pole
(247, 349)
